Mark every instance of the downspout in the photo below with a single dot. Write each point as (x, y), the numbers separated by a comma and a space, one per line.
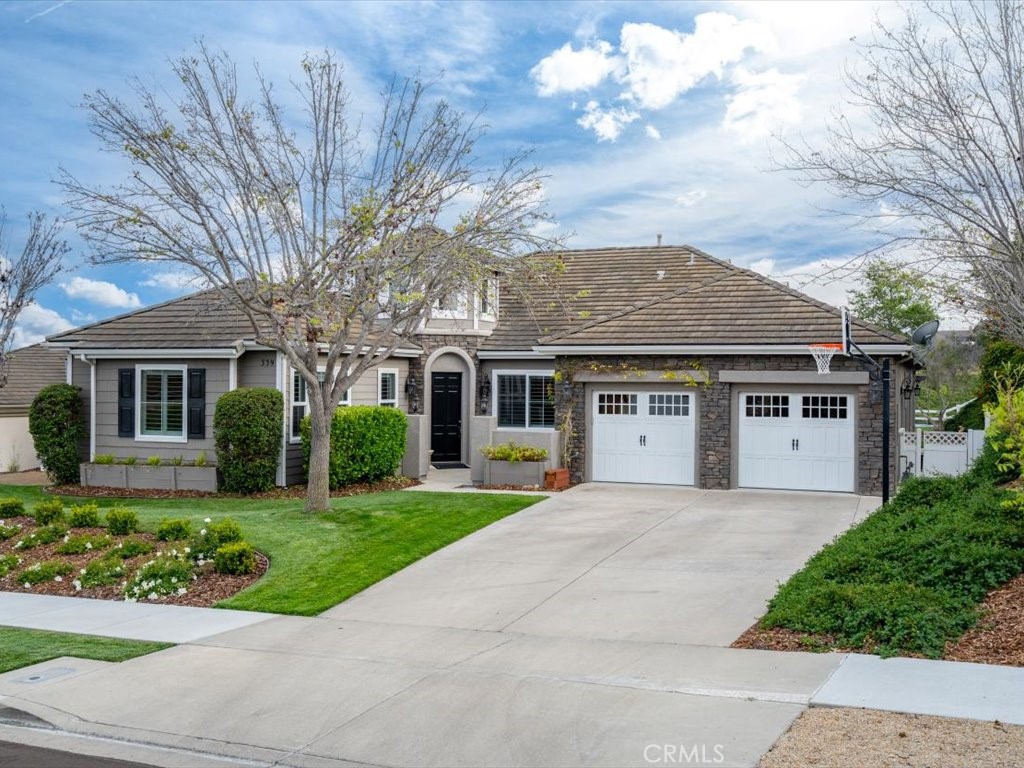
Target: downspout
(92, 405)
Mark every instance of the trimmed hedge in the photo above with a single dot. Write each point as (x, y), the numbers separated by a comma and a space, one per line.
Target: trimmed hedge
(367, 444)
(909, 578)
(247, 426)
(55, 421)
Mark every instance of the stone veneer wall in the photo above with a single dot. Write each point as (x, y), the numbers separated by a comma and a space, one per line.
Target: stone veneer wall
(714, 438)
(431, 342)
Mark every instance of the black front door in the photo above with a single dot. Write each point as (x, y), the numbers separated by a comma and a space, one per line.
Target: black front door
(446, 416)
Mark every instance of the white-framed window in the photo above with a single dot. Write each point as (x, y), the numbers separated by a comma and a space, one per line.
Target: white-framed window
(767, 406)
(160, 402)
(524, 399)
(488, 299)
(300, 402)
(387, 387)
(450, 306)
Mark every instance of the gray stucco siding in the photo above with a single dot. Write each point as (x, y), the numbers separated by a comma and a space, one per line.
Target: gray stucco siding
(107, 440)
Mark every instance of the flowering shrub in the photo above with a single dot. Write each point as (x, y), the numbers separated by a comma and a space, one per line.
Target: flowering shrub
(215, 535)
(11, 507)
(174, 530)
(8, 531)
(512, 451)
(236, 558)
(46, 535)
(50, 570)
(121, 522)
(168, 574)
(48, 511)
(8, 563)
(79, 545)
(130, 548)
(100, 573)
(84, 515)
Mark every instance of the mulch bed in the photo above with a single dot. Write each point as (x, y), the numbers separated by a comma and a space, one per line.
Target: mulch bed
(998, 637)
(290, 492)
(209, 588)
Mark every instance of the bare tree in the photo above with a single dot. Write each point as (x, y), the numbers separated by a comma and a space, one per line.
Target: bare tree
(21, 276)
(335, 244)
(940, 165)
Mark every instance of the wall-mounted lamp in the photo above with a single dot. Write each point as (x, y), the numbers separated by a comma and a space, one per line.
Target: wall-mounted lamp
(484, 391)
(911, 385)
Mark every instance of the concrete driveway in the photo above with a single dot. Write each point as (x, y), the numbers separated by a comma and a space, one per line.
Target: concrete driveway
(590, 629)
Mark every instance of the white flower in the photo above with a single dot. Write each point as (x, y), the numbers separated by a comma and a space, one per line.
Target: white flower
(202, 532)
(182, 590)
(81, 571)
(88, 545)
(58, 578)
(78, 585)
(174, 579)
(26, 585)
(66, 537)
(187, 550)
(206, 520)
(153, 596)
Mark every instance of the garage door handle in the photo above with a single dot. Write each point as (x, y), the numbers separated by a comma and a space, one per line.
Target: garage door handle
(795, 444)
(643, 439)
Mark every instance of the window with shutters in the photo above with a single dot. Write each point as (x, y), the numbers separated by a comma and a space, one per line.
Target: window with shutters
(160, 397)
(525, 400)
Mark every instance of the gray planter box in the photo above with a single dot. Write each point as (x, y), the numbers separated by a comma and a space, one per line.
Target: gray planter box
(514, 472)
(107, 475)
(195, 478)
(145, 476)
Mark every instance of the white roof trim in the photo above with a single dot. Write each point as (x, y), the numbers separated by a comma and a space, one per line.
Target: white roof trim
(124, 353)
(705, 349)
(522, 354)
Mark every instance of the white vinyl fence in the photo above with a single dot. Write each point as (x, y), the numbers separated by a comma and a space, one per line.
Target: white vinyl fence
(924, 452)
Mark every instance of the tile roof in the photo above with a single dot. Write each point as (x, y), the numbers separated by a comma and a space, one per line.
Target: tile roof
(668, 295)
(203, 320)
(29, 370)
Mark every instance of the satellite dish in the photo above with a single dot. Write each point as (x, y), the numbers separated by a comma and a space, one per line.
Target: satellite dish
(925, 332)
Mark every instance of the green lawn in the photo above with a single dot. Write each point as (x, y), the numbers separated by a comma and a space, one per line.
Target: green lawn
(316, 561)
(23, 647)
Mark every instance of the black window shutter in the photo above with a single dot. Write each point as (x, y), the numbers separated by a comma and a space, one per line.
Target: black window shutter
(126, 402)
(197, 402)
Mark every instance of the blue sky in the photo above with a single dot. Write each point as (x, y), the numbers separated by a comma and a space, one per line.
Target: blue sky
(649, 117)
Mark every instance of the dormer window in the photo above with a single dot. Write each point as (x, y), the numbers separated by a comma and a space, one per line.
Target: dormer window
(452, 306)
(488, 299)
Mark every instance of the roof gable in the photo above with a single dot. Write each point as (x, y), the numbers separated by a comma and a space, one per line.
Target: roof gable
(29, 370)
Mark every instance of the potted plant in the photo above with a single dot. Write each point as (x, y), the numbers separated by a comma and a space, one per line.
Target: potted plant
(513, 464)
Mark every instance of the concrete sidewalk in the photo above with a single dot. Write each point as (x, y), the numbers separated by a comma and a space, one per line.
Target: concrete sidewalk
(111, 618)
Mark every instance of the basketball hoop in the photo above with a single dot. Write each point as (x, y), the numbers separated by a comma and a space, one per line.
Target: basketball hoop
(822, 354)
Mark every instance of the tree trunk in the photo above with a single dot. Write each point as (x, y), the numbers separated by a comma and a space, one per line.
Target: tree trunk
(318, 491)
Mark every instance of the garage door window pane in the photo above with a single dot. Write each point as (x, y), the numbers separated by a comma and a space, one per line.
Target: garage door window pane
(767, 406)
(668, 405)
(616, 404)
(824, 407)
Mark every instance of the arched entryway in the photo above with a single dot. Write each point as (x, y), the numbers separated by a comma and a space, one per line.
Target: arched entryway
(449, 383)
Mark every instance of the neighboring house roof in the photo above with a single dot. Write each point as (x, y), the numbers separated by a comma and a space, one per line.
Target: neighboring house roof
(29, 369)
(203, 320)
(668, 295)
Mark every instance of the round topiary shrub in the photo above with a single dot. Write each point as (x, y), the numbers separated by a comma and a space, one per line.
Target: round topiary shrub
(55, 421)
(121, 522)
(247, 425)
(237, 559)
(367, 443)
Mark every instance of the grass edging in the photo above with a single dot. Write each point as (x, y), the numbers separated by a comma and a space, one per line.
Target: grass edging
(25, 647)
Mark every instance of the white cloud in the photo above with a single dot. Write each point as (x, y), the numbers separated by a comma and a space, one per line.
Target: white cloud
(172, 281)
(100, 292)
(692, 197)
(662, 64)
(36, 323)
(764, 102)
(567, 70)
(607, 124)
(653, 132)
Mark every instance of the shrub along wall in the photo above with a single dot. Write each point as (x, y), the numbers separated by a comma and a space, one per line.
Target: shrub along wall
(55, 421)
(367, 443)
(247, 426)
(910, 577)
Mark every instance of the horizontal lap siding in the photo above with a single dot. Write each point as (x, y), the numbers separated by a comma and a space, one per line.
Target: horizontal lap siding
(256, 369)
(80, 378)
(364, 392)
(107, 441)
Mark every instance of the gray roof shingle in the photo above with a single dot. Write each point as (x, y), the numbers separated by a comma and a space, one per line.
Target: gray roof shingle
(669, 295)
(28, 371)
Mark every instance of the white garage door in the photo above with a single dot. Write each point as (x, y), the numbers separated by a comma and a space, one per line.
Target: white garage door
(796, 441)
(643, 437)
